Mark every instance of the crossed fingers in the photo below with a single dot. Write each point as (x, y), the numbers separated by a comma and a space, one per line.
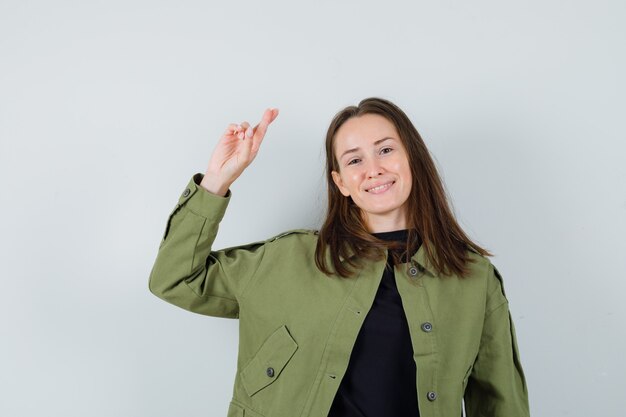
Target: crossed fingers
(244, 130)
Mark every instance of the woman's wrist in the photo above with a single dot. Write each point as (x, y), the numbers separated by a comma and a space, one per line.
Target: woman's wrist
(213, 185)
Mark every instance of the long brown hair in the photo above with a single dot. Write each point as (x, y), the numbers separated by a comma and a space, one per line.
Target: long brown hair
(430, 220)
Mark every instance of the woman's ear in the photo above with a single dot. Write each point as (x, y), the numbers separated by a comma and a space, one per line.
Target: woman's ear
(339, 183)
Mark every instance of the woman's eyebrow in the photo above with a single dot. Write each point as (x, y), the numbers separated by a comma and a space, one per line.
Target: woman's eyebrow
(379, 141)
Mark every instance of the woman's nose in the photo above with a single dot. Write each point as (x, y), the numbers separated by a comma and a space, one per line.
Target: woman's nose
(374, 169)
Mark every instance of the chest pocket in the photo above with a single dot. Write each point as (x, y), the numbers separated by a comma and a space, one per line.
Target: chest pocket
(267, 364)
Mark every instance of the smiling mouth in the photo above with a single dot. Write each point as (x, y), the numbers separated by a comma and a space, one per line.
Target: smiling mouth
(380, 188)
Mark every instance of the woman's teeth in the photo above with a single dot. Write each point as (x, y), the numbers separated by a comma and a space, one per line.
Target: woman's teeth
(380, 187)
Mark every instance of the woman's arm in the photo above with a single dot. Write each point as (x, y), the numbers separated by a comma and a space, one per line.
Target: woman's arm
(187, 272)
(497, 386)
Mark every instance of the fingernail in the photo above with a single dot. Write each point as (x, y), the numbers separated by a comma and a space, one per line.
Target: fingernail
(249, 132)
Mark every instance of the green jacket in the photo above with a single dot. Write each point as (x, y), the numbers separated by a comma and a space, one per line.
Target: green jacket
(297, 326)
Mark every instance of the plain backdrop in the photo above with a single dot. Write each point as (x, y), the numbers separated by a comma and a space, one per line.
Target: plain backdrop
(107, 108)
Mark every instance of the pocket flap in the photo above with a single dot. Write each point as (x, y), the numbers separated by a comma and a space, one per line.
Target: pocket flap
(269, 361)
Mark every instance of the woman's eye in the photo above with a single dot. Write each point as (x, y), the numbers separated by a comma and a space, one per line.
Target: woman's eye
(353, 161)
(385, 150)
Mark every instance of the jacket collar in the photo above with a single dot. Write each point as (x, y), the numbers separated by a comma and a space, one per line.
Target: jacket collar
(421, 259)
(418, 258)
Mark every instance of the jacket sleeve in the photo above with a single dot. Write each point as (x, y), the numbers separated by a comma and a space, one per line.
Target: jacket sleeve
(186, 272)
(497, 386)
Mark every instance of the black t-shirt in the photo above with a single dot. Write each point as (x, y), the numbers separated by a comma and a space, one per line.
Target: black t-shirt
(380, 379)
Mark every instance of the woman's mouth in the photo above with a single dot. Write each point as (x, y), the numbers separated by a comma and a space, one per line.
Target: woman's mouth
(380, 188)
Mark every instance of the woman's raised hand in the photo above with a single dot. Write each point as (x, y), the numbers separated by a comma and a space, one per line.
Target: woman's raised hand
(235, 150)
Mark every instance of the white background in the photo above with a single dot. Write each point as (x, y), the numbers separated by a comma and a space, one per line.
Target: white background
(107, 108)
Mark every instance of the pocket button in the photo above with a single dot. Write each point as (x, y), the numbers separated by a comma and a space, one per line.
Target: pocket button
(270, 372)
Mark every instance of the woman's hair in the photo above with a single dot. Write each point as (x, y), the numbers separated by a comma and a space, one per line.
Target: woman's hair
(429, 217)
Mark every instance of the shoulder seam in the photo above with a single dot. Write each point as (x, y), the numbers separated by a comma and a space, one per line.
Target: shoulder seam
(291, 232)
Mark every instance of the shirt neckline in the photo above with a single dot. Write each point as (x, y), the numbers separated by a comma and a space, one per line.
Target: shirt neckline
(400, 234)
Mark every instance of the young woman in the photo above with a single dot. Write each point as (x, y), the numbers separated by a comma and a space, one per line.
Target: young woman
(389, 310)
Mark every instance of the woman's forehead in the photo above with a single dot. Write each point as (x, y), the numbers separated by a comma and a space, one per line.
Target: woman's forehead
(364, 131)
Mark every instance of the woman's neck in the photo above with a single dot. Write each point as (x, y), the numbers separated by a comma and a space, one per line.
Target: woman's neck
(385, 223)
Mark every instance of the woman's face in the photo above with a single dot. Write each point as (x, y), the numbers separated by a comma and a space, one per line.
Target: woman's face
(373, 170)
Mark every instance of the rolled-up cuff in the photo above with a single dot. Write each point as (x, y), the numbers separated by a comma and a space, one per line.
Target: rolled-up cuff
(203, 202)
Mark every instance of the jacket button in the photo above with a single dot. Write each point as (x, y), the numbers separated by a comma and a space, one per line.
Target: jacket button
(270, 372)
(432, 395)
(186, 192)
(427, 327)
(413, 271)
